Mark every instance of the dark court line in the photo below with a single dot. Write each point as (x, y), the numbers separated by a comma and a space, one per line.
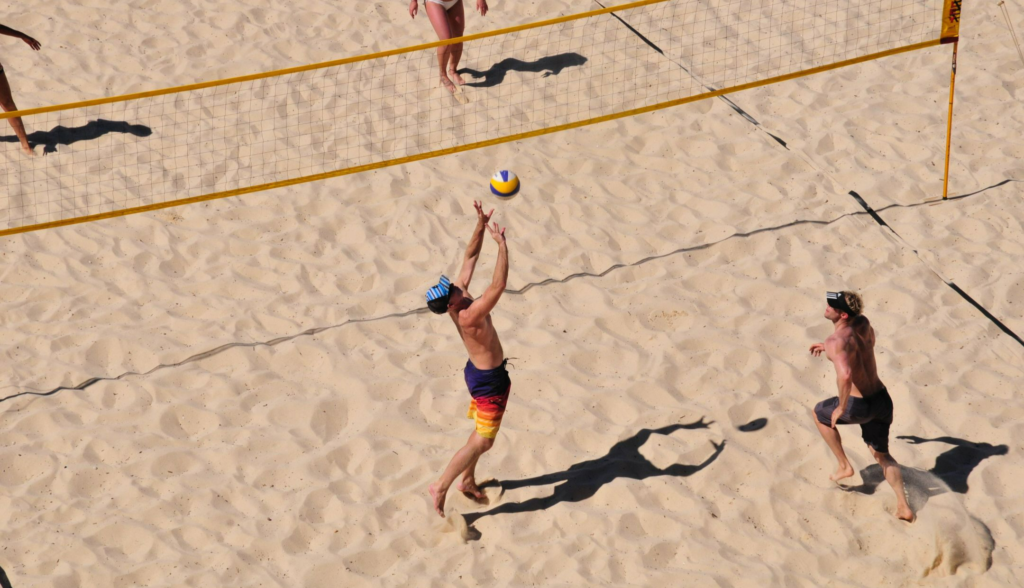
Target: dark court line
(970, 300)
(860, 200)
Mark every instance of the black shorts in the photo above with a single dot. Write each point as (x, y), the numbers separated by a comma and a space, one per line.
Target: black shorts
(873, 414)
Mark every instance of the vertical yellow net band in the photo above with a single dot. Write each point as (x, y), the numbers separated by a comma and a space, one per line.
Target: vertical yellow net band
(117, 156)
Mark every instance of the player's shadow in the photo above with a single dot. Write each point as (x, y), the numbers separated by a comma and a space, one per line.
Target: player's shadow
(955, 465)
(551, 65)
(948, 475)
(4, 581)
(94, 129)
(582, 480)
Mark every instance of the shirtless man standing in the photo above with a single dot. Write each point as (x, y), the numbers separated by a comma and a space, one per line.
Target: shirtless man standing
(488, 381)
(6, 100)
(863, 399)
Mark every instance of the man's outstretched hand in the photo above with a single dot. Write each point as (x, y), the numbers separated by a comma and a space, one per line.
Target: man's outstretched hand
(497, 232)
(31, 42)
(480, 216)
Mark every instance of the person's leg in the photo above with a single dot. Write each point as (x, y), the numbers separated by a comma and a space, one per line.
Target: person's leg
(467, 484)
(7, 103)
(833, 440)
(894, 476)
(469, 454)
(457, 25)
(439, 20)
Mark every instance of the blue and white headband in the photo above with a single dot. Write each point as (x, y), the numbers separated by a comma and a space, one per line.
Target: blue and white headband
(440, 290)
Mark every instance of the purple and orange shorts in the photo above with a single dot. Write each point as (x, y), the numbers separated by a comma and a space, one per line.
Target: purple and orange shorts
(490, 390)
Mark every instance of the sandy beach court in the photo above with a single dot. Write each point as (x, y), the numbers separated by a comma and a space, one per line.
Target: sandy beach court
(249, 392)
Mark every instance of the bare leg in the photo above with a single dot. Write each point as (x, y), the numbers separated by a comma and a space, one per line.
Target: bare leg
(467, 485)
(457, 25)
(439, 20)
(835, 443)
(894, 476)
(7, 103)
(469, 454)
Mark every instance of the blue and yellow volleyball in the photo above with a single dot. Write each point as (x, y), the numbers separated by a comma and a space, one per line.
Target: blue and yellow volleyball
(504, 184)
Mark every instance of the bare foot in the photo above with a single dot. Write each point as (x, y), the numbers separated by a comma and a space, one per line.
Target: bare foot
(455, 77)
(842, 473)
(470, 489)
(448, 84)
(904, 513)
(28, 150)
(438, 499)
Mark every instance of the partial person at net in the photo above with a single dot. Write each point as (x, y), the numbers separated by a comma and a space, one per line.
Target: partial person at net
(863, 399)
(449, 20)
(6, 100)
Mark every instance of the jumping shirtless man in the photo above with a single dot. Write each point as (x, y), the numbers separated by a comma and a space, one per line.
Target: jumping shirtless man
(6, 100)
(488, 381)
(863, 399)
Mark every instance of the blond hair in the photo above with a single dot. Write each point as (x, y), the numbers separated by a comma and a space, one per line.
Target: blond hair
(854, 301)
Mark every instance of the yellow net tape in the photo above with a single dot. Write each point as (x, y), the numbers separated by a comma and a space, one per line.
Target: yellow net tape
(117, 156)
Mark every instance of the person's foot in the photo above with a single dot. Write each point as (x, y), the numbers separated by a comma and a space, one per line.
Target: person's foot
(455, 77)
(842, 473)
(438, 498)
(28, 150)
(904, 513)
(470, 489)
(448, 85)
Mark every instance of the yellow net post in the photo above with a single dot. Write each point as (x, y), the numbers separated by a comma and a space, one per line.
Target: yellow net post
(950, 34)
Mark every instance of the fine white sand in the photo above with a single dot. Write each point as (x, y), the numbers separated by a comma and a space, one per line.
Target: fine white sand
(226, 448)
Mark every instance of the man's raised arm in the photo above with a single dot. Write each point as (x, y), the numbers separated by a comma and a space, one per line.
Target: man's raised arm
(473, 249)
(483, 305)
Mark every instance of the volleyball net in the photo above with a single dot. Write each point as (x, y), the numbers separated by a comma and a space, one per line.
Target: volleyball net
(116, 156)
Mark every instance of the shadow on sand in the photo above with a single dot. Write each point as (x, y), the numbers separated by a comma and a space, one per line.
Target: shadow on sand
(551, 65)
(61, 135)
(955, 465)
(949, 473)
(581, 481)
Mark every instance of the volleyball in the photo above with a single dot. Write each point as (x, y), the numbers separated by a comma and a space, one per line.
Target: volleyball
(504, 184)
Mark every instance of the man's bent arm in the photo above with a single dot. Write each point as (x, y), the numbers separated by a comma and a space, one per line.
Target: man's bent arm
(481, 307)
(844, 374)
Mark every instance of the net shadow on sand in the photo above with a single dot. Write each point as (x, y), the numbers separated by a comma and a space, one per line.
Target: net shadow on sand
(582, 480)
(516, 292)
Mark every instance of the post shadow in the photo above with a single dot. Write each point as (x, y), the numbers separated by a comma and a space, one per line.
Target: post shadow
(94, 129)
(552, 65)
(582, 480)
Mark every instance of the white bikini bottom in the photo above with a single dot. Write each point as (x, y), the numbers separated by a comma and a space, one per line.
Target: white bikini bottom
(447, 5)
